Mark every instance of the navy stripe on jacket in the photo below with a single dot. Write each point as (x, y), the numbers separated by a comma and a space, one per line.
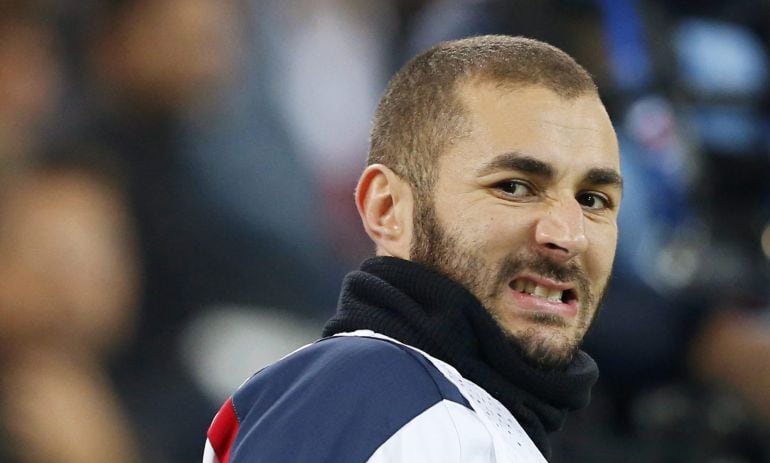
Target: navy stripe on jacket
(337, 400)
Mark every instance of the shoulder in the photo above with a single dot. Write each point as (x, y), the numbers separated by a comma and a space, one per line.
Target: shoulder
(347, 369)
(349, 393)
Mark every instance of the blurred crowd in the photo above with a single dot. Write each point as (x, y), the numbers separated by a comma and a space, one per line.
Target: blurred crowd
(176, 210)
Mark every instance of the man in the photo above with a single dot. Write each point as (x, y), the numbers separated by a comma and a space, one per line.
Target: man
(491, 195)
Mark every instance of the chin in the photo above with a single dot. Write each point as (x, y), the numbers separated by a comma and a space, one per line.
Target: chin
(547, 347)
(546, 341)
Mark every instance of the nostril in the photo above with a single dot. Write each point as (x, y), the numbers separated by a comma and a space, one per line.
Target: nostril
(555, 247)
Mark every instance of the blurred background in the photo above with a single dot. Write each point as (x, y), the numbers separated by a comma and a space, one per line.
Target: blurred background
(176, 210)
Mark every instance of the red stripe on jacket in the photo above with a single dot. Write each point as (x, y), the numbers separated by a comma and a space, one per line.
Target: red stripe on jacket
(223, 430)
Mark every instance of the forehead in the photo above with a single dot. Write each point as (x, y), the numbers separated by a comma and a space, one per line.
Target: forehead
(570, 134)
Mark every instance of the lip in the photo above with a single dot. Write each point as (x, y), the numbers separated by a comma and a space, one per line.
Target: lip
(543, 281)
(530, 303)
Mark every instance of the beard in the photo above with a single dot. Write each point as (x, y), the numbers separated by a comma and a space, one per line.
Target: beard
(546, 342)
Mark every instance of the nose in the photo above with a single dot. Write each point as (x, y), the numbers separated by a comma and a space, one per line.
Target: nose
(560, 232)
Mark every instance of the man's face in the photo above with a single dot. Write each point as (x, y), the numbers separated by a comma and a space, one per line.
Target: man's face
(523, 214)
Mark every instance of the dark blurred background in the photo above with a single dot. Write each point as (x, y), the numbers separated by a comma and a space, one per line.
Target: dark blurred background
(176, 210)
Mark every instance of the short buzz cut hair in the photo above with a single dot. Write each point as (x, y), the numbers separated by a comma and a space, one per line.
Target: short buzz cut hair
(420, 113)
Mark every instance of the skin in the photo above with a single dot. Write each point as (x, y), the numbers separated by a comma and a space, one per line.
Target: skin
(530, 194)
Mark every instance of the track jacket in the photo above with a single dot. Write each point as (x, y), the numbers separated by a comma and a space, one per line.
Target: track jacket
(412, 368)
(363, 397)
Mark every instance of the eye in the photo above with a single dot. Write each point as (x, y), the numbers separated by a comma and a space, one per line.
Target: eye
(515, 188)
(593, 200)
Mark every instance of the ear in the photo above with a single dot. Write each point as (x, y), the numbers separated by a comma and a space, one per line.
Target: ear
(385, 203)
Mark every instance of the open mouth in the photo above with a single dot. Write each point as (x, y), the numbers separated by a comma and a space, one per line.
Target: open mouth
(550, 293)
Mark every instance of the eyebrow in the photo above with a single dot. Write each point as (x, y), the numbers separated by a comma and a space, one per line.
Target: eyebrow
(603, 176)
(517, 161)
(599, 176)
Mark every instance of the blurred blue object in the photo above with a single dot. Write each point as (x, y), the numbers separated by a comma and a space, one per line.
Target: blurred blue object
(724, 69)
(627, 52)
(727, 129)
(720, 59)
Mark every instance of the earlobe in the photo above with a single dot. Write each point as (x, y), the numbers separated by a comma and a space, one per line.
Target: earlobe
(384, 203)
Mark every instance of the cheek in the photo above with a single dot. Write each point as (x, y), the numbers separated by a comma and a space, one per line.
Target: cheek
(601, 253)
(494, 235)
(510, 233)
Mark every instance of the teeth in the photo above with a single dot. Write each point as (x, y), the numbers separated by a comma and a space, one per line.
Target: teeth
(554, 295)
(531, 288)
